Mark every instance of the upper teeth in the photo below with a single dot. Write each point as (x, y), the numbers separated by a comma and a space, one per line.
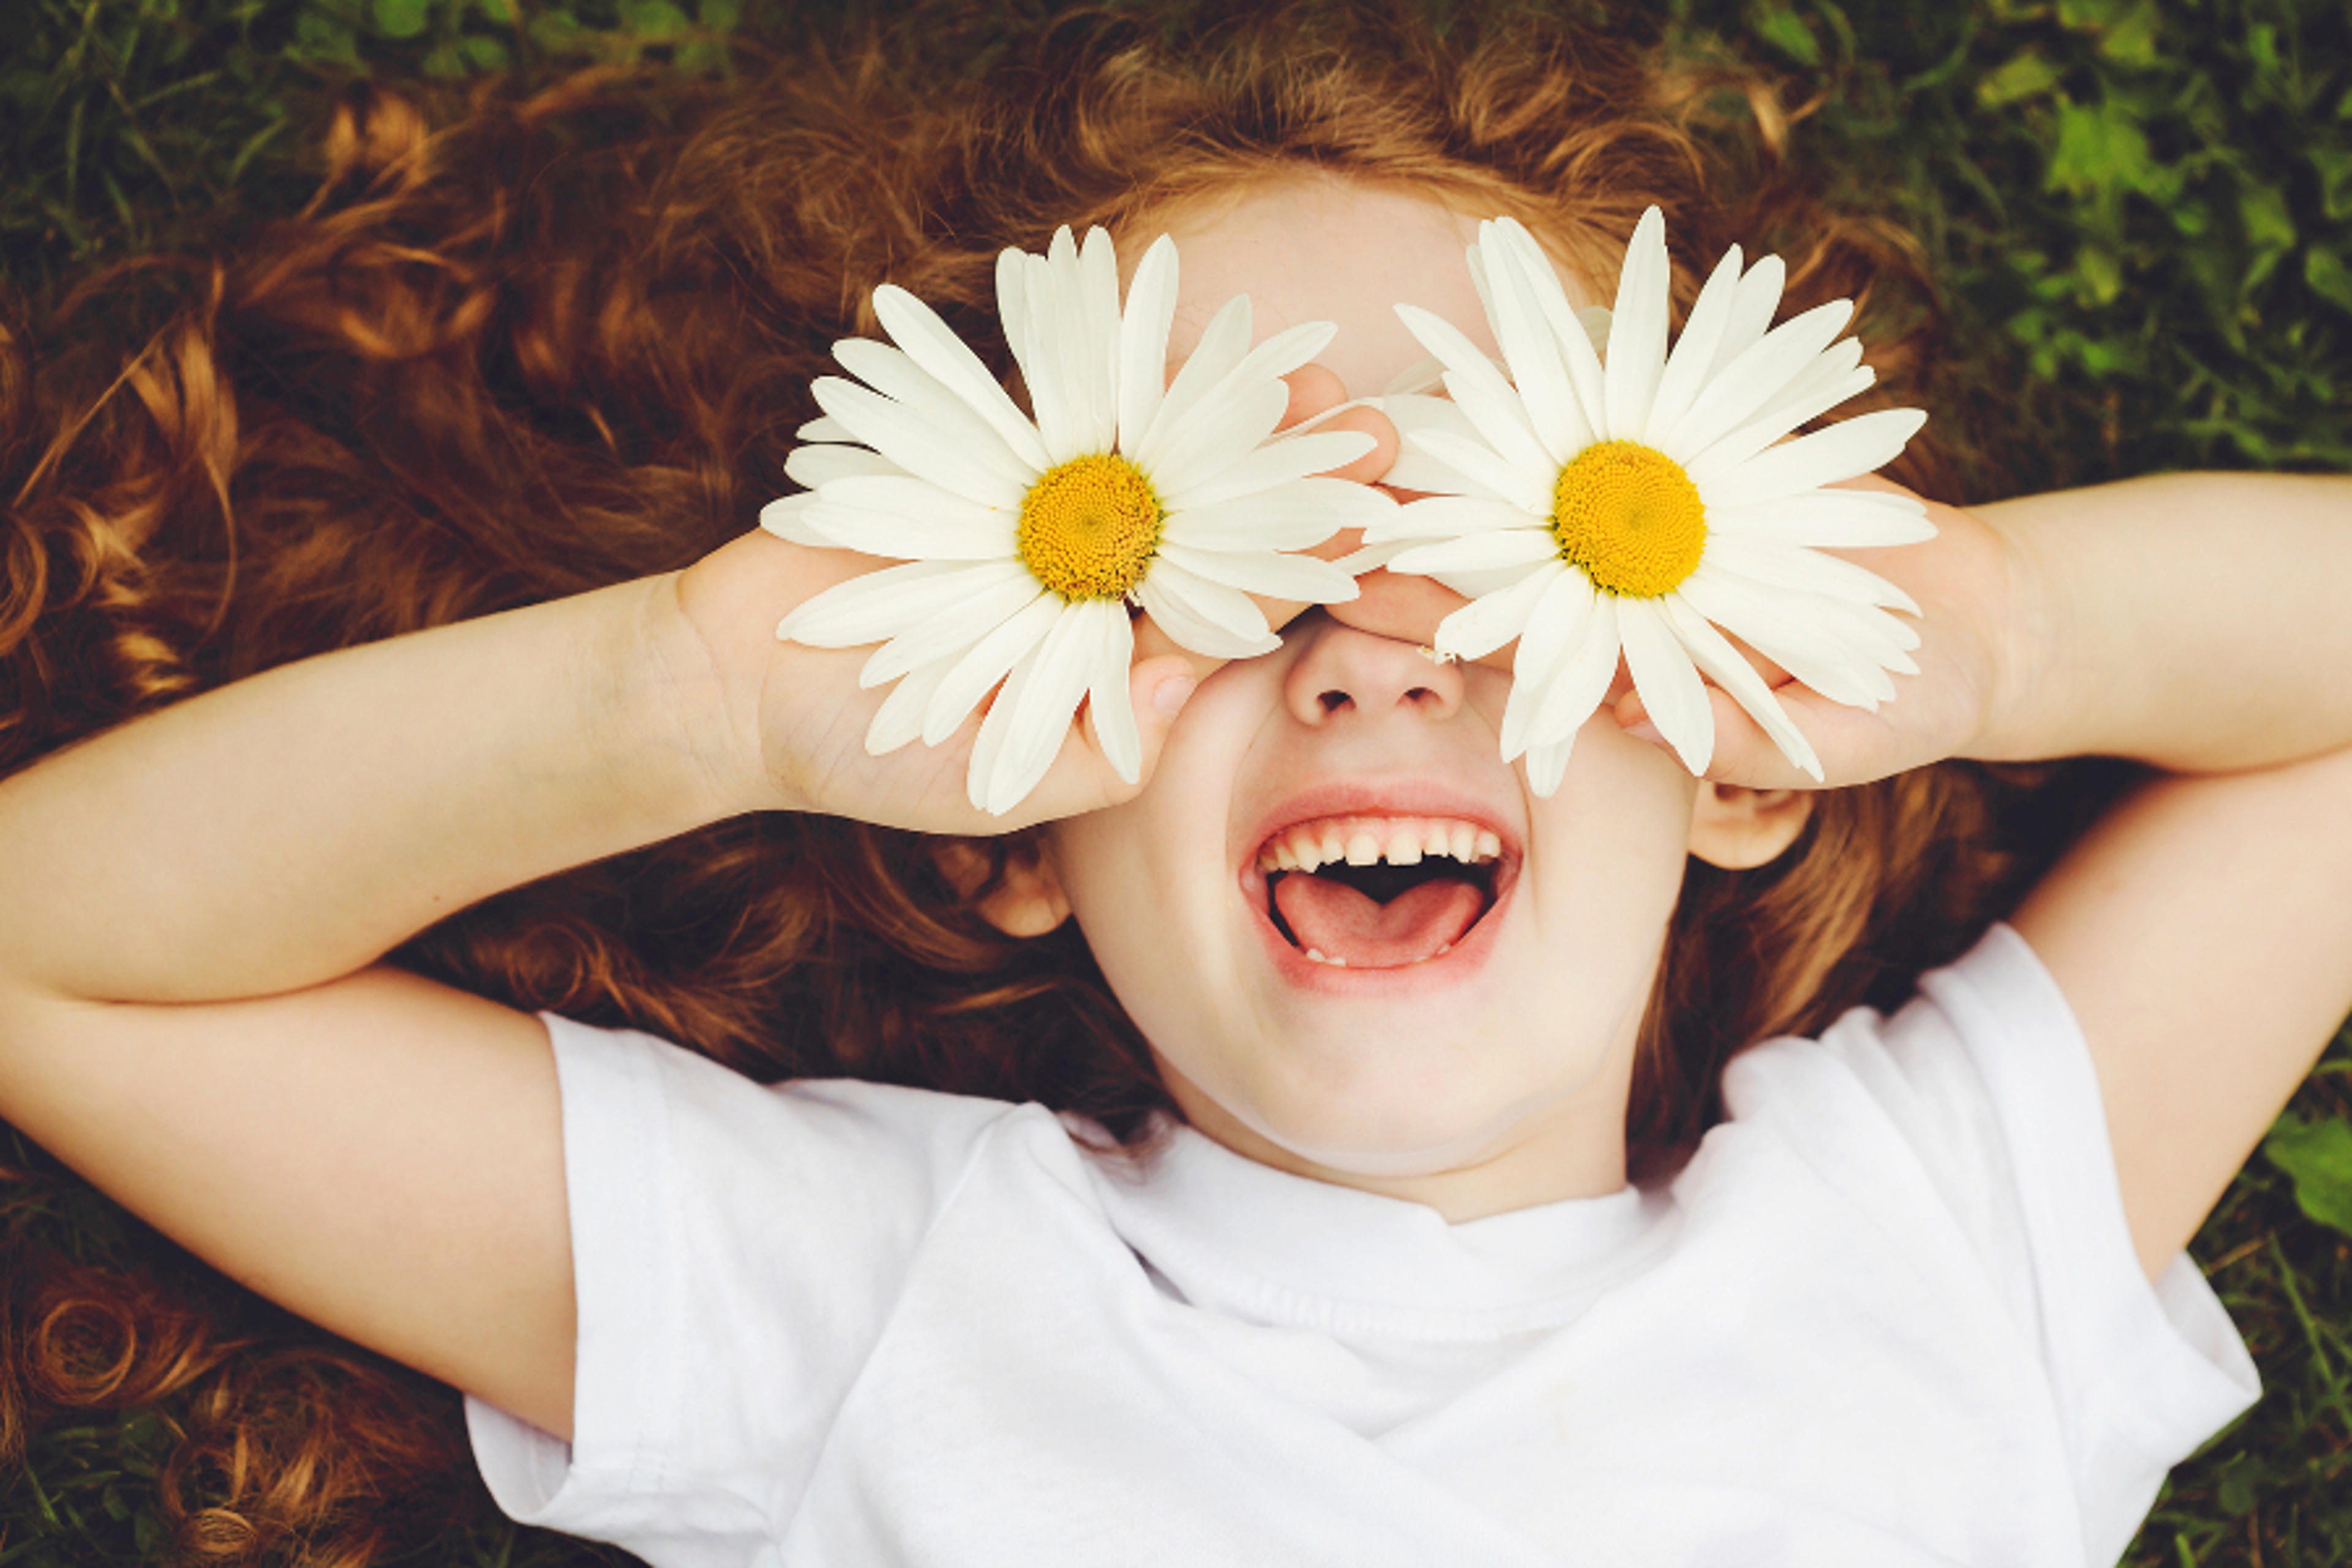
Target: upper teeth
(1371, 840)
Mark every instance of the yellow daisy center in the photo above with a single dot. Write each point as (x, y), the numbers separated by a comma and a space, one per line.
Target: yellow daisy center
(1089, 527)
(1630, 517)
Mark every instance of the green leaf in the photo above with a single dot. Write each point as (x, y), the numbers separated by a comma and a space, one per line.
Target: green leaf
(1781, 27)
(718, 16)
(2099, 275)
(2334, 166)
(2317, 1155)
(498, 11)
(2330, 278)
(2019, 78)
(2270, 229)
(401, 18)
(2131, 41)
(2101, 152)
(654, 20)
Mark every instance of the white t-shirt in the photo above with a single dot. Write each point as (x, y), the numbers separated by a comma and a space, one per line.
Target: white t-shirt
(1889, 1316)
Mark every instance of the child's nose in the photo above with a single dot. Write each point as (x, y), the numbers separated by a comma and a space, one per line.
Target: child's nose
(1345, 671)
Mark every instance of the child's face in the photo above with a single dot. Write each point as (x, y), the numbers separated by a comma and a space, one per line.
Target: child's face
(1486, 1077)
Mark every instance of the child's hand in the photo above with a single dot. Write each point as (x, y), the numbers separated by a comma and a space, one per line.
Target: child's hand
(1961, 579)
(783, 725)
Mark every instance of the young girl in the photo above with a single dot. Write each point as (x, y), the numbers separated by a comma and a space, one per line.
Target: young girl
(1369, 1281)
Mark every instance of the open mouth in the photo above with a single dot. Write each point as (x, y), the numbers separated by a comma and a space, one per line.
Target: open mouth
(1380, 892)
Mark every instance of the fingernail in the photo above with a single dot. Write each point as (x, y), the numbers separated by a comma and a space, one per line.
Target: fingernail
(1170, 695)
(1645, 730)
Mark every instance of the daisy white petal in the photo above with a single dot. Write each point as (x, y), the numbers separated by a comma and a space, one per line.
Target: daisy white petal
(1557, 626)
(1784, 629)
(1776, 565)
(1637, 331)
(1221, 430)
(1478, 585)
(1754, 379)
(783, 519)
(1827, 519)
(1770, 427)
(986, 662)
(1478, 389)
(1667, 682)
(1179, 458)
(1143, 342)
(1109, 698)
(1222, 346)
(1294, 515)
(1268, 575)
(1722, 664)
(883, 604)
(1445, 517)
(1180, 614)
(1041, 698)
(1275, 463)
(1844, 451)
(1688, 367)
(899, 494)
(811, 467)
(1753, 306)
(917, 328)
(902, 537)
(1564, 626)
(989, 597)
(1811, 391)
(1421, 377)
(1012, 302)
(898, 378)
(1538, 371)
(1481, 627)
(913, 444)
(1480, 552)
(1578, 333)
(1575, 690)
(899, 719)
(1491, 471)
(1547, 765)
(824, 428)
(1372, 557)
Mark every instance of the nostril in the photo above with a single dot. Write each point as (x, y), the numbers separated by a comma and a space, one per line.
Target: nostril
(1333, 700)
(1419, 695)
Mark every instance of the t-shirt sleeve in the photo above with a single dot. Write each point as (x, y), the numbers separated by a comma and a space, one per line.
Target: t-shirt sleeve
(736, 1250)
(1988, 1078)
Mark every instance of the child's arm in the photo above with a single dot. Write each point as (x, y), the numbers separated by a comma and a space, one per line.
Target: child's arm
(2203, 932)
(187, 1013)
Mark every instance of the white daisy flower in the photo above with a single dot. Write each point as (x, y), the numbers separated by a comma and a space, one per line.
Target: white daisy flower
(1027, 538)
(1610, 497)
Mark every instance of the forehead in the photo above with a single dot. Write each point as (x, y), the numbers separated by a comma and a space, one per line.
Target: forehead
(1319, 247)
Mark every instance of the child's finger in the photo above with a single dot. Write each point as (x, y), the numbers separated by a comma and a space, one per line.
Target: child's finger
(1314, 390)
(1408, 609)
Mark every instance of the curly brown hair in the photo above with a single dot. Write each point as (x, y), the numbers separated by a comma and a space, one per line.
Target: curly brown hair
(543, 340)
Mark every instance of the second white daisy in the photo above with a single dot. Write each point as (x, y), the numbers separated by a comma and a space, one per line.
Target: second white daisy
(1027, 539)
(1613, 498)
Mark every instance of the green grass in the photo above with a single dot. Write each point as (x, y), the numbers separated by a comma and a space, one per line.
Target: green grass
(2141, 209)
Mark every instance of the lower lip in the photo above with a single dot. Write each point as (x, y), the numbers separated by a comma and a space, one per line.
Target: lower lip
(1449, 968)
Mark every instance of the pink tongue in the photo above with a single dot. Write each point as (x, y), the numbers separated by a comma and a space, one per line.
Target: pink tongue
(1326, 914)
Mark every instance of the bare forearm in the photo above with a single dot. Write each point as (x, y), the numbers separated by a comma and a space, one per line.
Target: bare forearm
(2194, 621)
(291, 828)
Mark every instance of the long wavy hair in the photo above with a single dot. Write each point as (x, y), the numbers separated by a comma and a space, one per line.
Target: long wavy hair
(556, 336)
